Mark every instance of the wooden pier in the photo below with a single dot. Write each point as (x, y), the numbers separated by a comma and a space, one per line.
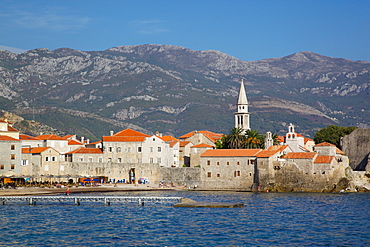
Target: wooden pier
(77, 200)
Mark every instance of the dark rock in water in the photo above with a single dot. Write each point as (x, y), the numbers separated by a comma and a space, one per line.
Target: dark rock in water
(209, 205)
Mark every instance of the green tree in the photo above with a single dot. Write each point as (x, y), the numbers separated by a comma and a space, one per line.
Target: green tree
(332, 134)
(254, 139)
(275, 139)
(235, 140)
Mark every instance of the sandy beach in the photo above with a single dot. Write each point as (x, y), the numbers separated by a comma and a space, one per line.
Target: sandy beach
(27, 191)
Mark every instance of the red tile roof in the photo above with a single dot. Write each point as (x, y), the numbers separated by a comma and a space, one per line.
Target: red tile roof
(306, 139)
(7, 138)
(73, 142)
(231, 153)
(304, 155)
(84, 150)
(10, 128)
(50, 137)
(266, 154)
(184, 143)
(280, 138)
(93, 143)
(168, 138)
(130, 132)
(173, 143)
(324, 159)
(34, 150)
(324, 144)
(5, 121)
(123, 138)
(202, 145)
(27, 137)
(338, 151)
(212, 136)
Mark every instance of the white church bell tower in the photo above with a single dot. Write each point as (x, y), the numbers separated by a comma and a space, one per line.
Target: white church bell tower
(242, 114)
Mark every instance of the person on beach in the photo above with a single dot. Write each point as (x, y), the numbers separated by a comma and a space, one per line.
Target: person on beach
(68, 192)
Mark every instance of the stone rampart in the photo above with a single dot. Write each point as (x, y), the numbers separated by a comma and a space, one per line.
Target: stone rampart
(357, 147)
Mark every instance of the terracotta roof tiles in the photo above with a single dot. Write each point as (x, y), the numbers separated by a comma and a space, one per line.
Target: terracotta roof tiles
(50, 137)
(130, 132)
(123, 138)
(7, 138)
(324, 159)
(299, 155)
(34, 150)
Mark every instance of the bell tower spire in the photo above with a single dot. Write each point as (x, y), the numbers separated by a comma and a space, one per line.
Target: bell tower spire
(242, 114)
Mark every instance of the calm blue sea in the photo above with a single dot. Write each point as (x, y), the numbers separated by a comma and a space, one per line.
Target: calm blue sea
(268, 219)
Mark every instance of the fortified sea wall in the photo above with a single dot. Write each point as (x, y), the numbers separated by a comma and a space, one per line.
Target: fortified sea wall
(357, 146)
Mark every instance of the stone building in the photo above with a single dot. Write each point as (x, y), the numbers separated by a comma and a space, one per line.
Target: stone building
(228, 168)
(41, 162)
(10, 156)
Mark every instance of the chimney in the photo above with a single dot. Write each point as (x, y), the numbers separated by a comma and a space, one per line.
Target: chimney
(82, 139)
(111, 133)
(87, 141)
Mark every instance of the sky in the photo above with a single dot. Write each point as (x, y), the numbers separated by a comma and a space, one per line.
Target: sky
(248, 30)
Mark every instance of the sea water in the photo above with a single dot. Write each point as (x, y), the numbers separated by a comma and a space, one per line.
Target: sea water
(267, 219)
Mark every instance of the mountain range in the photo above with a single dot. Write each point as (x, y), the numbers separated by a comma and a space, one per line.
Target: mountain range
(175, 90)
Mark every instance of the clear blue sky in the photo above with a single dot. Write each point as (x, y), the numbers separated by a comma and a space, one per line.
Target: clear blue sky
(248, 30)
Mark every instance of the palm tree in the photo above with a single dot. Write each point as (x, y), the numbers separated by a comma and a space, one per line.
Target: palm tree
(254, 139)
(236, 139)
(275, 139)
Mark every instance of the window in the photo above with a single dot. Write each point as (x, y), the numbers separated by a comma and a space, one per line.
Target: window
(238, 163)
(218, 163)
(159, 160)
(218, 175)
(118, 149)
(209, 174)
(151, 160)
(138, 160)
(53, 158)
(208, 162)
(12, 166)
(151, 149)
(153, 139)
(25, 162)
(110, 149)
(81, 159)
(109, 160)
(129, 149)
(90, 159)
(12, 147)
(139, 149)
(100, 160)
(12, 156)
(236, 173)
(228, 163)
(159, 149)
(252, 162)
(119, 160)
(2, 167)
(47, 158)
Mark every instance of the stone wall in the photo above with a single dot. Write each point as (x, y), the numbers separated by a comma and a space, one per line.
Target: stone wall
(291, 177)
(180, 176)
(357, 147)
